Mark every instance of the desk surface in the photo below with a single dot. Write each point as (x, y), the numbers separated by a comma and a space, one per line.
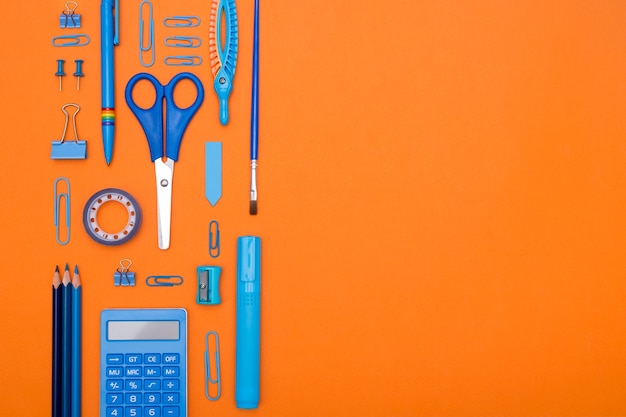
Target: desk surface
(441, 202)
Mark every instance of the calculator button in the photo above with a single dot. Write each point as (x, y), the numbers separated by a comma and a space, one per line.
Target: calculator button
(133, 371)
(115, 398)
(171, 384)
(171, 398)
(133, 398)
(152, 371)
(152, 398)
(115, 412)
(152, 358)
(171, 411)
(115, 371)
(152, 412)
(133, 384)
(115, 385)
(133, 358)
(171, 371)
(115, 359)
(171, 358)
(133, 412)
(152, 384)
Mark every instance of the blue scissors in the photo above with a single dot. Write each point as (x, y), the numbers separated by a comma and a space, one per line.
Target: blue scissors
(176, 122)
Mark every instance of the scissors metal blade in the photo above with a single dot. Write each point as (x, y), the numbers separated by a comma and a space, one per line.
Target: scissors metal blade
(164, 173)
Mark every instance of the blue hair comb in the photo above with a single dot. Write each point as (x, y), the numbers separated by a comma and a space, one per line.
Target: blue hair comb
(223, 52)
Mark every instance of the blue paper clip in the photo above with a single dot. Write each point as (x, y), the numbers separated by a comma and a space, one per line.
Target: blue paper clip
(214, 239)
(210, 381)
(57, 209)
(181, 21)
(164, 280)
(150, 44)
(80, 39)
(183, 41)
(183, 60)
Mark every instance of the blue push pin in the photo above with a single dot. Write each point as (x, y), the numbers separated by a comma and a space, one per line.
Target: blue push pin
(79, 72)
(60, 72)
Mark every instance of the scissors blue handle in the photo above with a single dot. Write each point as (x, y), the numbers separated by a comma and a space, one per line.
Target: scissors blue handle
(176, 119)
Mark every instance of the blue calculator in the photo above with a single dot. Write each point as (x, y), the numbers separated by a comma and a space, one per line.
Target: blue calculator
(143, 363)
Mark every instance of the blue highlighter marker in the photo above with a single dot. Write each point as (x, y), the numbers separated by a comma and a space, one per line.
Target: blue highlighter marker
(248, 355)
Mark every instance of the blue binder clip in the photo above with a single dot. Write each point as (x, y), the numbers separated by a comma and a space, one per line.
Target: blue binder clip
(62, 149)
(208, 285)
(122, 276)
(69, 18)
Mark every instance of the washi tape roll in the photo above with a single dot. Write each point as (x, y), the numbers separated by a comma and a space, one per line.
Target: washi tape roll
(90, 217)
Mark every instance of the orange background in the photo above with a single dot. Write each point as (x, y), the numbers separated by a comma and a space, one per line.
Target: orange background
(441, 205)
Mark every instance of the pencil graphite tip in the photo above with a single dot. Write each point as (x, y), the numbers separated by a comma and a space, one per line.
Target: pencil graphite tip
(56, 269)
(76, 269)
(67, 267)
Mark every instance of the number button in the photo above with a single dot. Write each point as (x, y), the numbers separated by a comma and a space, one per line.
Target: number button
(115, 412)
(115, 399)
(152, 411)
(133, 398)
(152, 398)
(133, 412)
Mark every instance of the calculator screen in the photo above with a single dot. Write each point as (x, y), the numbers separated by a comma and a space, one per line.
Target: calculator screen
(143, 330)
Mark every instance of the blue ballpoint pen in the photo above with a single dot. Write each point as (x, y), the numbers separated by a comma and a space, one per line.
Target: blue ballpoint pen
(109, 37)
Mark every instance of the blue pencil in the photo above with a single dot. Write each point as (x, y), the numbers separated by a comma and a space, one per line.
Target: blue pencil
(76, 343)
(66, 344)
(57, 304)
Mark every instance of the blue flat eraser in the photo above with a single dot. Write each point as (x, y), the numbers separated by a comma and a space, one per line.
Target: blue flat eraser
(69, 149)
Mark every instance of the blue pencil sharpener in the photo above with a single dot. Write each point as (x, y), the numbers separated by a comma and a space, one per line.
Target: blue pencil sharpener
(208, 285)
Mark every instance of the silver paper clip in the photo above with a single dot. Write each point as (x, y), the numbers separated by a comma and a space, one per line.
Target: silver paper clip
(214, 239)
(181, 21)
(183, 41)
(164, 280)
(80, 39)
(57, 209)
(183, 60)
(143, 45)
(212, 383)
